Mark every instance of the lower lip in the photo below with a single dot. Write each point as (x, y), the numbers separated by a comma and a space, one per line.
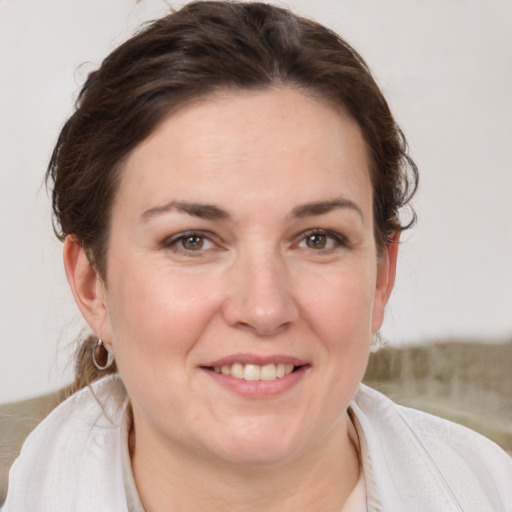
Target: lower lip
(259, 388)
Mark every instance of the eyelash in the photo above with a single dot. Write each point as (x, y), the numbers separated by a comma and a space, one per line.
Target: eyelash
(340, 241)
(174, 241)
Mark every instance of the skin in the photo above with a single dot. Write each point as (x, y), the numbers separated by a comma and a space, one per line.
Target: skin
(251, 282)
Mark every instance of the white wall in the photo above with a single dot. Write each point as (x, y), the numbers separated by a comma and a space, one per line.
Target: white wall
(445, 67)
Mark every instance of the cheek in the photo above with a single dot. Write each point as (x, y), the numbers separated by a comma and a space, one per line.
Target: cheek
(340, 306)
(347, 335)
(159, 311)
(341, 316)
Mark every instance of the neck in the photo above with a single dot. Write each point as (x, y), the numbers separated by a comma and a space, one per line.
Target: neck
(175, 479)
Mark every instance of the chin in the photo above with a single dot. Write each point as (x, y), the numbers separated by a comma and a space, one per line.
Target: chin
(257, 456)
(263, 446)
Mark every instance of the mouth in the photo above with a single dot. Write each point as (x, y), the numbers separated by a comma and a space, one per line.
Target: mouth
(256, 375)
(254, 372)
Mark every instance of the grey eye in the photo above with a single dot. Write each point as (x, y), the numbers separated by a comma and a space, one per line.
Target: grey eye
(189, 242)
(322, 241)
(316, 241)
(192, 243)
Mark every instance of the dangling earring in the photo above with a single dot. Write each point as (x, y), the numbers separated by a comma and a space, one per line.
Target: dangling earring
(101, 357)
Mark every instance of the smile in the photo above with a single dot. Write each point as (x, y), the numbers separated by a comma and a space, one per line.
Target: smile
(257, 376)
(255, 372)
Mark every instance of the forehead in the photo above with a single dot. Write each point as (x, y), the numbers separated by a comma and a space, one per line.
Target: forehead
(257, 145)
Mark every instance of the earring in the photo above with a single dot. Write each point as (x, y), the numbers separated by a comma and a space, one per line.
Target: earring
(101, 357)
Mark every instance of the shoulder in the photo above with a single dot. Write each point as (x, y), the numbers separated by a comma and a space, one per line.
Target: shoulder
(432, 455)
(96, 408)
(77, 442)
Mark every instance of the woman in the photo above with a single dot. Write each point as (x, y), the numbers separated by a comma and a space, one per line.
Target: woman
(228, 193)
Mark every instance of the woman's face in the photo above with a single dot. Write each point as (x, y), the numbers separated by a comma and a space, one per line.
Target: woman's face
(243, 284)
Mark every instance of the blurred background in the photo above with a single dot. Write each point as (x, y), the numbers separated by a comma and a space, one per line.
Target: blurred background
(445, 67)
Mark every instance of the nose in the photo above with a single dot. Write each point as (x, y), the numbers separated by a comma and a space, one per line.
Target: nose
(260, 297)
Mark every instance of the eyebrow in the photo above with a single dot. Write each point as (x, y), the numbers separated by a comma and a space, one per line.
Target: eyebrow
(323, 207)
(203, 211)
(212, 212)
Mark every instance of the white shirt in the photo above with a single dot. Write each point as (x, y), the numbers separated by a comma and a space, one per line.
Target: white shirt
(411, 461)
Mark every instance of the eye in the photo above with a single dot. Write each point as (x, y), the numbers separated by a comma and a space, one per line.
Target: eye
(321, 240)
(193, 242)
(189, 242)
(317, 241)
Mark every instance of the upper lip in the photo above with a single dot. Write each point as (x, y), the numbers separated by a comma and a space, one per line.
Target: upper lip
(256, 359)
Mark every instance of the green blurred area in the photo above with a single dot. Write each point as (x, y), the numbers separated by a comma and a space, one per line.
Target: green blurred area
(469, 383)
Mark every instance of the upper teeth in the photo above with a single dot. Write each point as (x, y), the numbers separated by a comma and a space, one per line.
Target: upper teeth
(255, 372)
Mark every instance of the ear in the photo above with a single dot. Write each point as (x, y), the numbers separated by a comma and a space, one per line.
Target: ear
(386, 271)
(87, 287)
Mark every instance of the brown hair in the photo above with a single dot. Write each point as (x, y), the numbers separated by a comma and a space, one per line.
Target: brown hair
(201, 48)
